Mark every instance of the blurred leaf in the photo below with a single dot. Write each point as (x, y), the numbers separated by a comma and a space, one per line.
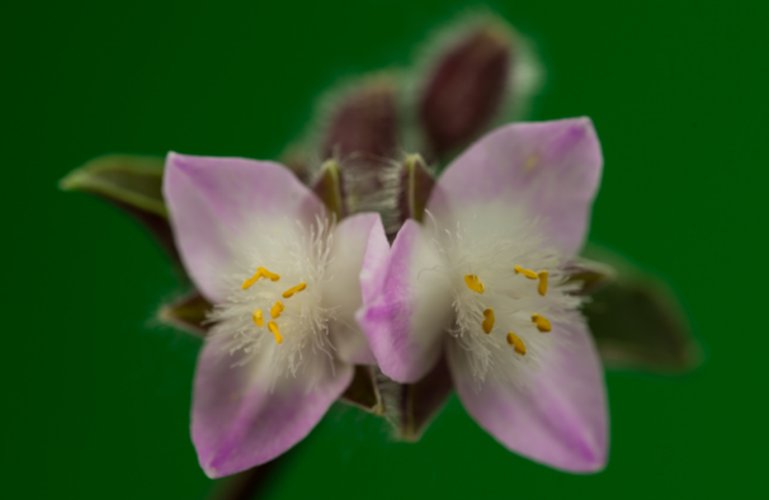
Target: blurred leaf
(133, 183)
(416, 185)
(591, 275)
(638, 323)
(187, 313)
(363, 391)
(421, 402)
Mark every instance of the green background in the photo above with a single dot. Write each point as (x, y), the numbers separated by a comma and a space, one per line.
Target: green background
(96, 396)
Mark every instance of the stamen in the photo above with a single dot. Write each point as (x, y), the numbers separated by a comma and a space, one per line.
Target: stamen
(276, 309)
(273, 327)
(294, 289)
(543, 324)
(515, 341)
(526, 272)
(488, 320)
(474, 283)
(542, 288)
(257, 317)
(261, 272)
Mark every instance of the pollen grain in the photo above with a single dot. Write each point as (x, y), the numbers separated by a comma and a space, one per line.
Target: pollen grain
(276, 309)
(273, 327)
(488, 320)
(532, 275)
(294, 290)
(543, 324)
(258, 317)
(474, 283)
(542, 288)
(515, 341)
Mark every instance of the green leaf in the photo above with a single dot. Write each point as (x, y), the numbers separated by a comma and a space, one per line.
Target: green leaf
(133, 183)
(638, 323)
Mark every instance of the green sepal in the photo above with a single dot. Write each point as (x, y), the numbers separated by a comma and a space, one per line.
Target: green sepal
(187, 313)
(133, 183)
(328, 187)
(417, 183)
(638, 323)
(363, 392)
(421, 401)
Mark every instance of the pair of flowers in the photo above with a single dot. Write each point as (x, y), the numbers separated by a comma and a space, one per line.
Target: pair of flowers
(300, 298)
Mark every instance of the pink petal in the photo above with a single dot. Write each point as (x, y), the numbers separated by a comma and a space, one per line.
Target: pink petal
(359, 244)
(557, 417)
(238, 422)
(406, 307)
(551, 170)
(212, 201)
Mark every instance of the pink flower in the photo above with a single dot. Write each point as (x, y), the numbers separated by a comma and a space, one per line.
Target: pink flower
(285, 280)
(484, 283)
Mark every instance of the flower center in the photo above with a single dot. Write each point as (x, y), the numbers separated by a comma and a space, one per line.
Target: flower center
(257, 315)
(488, 321)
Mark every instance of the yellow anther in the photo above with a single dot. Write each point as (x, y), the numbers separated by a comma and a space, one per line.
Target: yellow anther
(474, 283)
(273, 327)
(261, 272)
(526, 272)
(488, 320)
(276, 309)
(543, 324)
(294, 289)
(542, 288)
(515, 341)
(269, 275)
(257, 317)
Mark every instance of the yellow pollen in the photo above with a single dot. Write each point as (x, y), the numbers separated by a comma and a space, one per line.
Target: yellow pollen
(294, 289)
(257, 317)
(261, 272)
(276, 309)
(542, 288)
(543, 324)
(515, 341)
(526, 272)
(273, 327)
(488, 320)
(474, 283)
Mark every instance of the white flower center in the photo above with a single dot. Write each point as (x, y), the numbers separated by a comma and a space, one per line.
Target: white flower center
(509, 292)
(275, 308)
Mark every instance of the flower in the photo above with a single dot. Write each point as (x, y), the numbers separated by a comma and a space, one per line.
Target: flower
(484, 282)
(284, 278)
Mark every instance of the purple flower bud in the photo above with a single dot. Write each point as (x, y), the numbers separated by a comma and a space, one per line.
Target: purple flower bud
(465, 86)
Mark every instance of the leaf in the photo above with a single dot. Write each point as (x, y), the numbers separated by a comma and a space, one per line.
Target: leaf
(591, 275)
(133, 183)
(638, 323)
(187, 313)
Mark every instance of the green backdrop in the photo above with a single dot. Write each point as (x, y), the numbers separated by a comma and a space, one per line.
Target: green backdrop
(96, 396)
